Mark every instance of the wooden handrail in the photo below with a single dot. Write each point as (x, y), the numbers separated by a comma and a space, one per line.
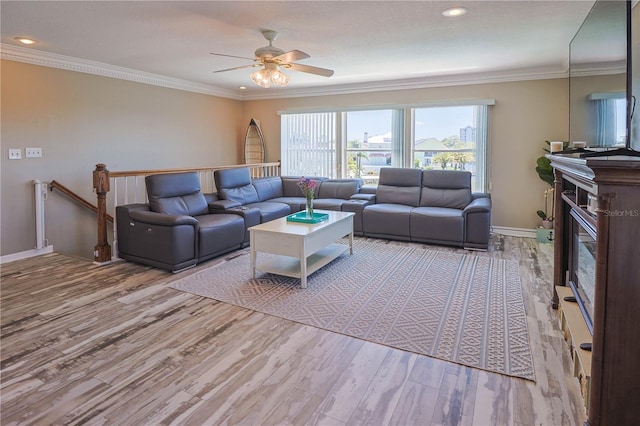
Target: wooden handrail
(187, 169)
(75, 197)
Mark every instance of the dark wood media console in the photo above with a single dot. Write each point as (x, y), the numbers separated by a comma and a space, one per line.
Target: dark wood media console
(598, 213)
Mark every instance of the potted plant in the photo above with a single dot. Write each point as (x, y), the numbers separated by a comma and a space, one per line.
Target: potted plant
(547, 219)
(543, 164)
(545, 172)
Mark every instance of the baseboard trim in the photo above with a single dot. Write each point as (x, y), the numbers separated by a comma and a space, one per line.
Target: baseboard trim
(25, 254)
(514, 232)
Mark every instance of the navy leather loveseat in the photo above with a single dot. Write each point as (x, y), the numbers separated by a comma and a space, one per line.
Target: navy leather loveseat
(428, 206)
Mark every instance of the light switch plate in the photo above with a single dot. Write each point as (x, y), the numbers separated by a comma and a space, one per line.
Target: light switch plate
(15, 154)
(33, 152)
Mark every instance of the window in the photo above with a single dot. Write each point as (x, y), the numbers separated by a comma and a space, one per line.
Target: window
(359, 143)
(452, 138)
(611, 121)
(609, 113)
(374, 141)
(309, 144)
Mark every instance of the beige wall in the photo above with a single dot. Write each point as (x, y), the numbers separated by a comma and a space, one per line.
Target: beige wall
(525, 115)
(80, 120)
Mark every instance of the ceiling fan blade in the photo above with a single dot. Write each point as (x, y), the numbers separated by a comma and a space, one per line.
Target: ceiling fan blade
(292, 55)
(233, 56)
(237, 68)
(311, 70)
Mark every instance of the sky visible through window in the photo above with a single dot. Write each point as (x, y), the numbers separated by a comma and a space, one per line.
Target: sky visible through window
(436, 122)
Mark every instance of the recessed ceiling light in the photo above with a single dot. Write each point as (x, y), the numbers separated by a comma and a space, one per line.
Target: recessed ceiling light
(243, 88)
(25, 40)
(452, 12)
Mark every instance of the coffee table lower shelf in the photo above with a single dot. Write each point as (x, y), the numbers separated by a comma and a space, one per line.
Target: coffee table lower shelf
(290, 266)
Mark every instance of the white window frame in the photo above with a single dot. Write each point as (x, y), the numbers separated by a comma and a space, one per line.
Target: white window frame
(404, 124)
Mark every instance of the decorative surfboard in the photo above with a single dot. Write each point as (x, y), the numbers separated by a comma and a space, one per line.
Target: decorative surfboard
(254, 144)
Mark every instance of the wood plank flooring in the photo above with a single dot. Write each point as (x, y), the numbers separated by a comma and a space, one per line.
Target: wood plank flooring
(88, 344)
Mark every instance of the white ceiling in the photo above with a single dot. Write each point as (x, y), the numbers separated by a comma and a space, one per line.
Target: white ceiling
(368, 43)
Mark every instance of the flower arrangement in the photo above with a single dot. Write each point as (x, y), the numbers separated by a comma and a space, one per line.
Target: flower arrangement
(308, 187)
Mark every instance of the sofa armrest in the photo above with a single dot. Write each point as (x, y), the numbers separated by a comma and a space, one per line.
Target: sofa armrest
(476, 195)
(161, 240)
(356, 206)
(126, 209)
(250, 215)
(161, 219)
(364, 197)
(477, 218)
(481, 205)
(368, 189)
(210, 197)
(221, 205)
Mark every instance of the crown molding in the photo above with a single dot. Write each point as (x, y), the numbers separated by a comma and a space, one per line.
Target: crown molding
(601, 68)
(409, 84)
(53, 60)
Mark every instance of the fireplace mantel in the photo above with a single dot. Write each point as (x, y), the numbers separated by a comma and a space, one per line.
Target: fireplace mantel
(604, 193)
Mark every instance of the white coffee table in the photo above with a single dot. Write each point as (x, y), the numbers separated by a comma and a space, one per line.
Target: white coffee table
(302, 248)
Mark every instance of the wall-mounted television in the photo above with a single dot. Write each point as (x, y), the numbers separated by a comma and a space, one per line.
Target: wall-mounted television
(598, 77)
(634, 80)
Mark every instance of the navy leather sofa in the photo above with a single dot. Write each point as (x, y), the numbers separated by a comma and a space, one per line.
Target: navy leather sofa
(181, 226)
(429, 206)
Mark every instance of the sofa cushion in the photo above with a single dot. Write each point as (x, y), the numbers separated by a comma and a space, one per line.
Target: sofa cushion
(387, 220)
(437, 224)
(399, 186)
(339, 188)
(268, 187)
(218, 233)
(446, 188)
(290, 186)
(176, 194)
(328, 203)
(270, 210)
(295, 203)
(235, 185)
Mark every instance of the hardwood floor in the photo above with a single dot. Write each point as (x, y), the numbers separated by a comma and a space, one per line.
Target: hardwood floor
(88, 344)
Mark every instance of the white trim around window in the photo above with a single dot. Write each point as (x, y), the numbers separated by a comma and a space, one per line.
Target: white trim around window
(315, 141)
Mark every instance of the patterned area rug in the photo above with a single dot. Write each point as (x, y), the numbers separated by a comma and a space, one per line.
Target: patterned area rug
(462, 308)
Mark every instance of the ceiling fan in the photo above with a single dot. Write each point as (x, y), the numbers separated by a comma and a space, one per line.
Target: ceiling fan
(272, 59)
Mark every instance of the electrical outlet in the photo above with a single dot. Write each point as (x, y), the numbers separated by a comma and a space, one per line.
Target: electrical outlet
(15, 154)
(33, 152)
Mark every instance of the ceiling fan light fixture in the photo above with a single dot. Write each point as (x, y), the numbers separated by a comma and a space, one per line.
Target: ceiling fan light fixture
(262, 78)
(279, 78)
(273, 60)
(268, 76)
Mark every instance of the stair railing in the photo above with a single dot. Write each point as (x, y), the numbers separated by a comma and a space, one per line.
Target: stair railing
(75, 197)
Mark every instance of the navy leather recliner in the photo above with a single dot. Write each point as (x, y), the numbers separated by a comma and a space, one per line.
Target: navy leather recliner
(175, 230)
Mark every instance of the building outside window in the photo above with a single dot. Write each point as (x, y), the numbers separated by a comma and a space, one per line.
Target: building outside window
(374, 139)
